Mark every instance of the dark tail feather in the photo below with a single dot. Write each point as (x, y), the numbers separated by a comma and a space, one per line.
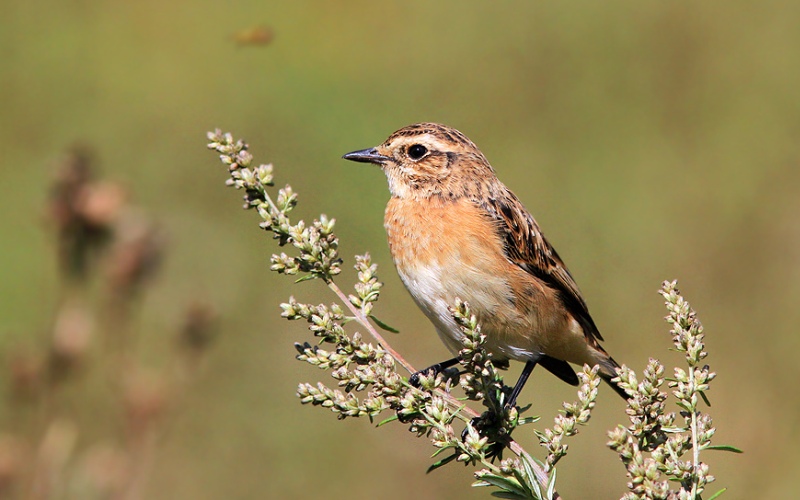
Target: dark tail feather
(560, 369)
(564, 371)
(607, 372)
(614, 386)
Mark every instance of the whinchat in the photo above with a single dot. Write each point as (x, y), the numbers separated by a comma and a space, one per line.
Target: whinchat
(456, 231)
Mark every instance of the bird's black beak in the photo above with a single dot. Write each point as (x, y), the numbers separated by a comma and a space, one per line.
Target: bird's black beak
(367, 156)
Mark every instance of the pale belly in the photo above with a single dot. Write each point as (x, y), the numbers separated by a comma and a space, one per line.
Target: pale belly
(436, 288)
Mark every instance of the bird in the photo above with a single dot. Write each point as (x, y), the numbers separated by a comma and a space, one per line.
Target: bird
(455, 231)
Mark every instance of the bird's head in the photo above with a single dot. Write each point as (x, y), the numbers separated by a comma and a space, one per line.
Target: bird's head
(427, 159)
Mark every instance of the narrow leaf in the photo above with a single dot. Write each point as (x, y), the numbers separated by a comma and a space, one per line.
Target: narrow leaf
(306, 278)
(441, 463)
(382, 325)
(508, 494)
(504, 483)
(443, 448)
(532, 481)
(720, 492)
(724, 447)
(551, 485)
(390, 419)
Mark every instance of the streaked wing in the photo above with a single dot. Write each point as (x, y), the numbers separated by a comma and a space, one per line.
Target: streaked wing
(527, 247)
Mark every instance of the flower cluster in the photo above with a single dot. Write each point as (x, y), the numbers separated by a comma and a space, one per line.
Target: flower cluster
(318, 245)
(575, 414)
(654, 445)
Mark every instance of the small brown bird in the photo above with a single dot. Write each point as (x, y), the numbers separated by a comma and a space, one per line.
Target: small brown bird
(456, 231)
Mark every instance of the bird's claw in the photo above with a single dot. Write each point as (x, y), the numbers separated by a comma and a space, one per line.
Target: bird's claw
(488, 425)
(449, 373)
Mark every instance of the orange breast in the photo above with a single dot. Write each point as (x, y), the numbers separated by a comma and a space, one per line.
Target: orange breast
(448, 250)
(440, 232)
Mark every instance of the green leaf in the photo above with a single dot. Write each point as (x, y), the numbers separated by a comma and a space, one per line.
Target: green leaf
(532, 481)
(508, 494)
(551, 484)
(705, 398)
(724, 447)
(504, 483)
(441, 463)
(443, 448)
(537, 490)
(390, 419)
(528, 420)
(382, 325)
(720, 492)
(525, 408)
(306, 278)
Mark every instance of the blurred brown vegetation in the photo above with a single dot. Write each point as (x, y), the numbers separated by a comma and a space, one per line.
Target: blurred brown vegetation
(652, 140)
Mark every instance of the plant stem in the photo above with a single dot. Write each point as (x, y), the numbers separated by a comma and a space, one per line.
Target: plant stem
(361, 318)
(695, 449)
(541, 476)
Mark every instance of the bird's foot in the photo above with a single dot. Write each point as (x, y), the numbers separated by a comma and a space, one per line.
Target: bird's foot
(494, 427)
(446, 368)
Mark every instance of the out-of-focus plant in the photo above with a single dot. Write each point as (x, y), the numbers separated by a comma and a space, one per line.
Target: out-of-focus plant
(85, 414)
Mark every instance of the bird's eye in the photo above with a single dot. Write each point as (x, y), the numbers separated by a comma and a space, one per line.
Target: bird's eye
(417, 151)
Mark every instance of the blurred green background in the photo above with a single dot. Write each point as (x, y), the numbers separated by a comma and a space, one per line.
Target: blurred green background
(652, 140)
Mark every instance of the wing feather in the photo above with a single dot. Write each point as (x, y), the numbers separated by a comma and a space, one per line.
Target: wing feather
(526, 246)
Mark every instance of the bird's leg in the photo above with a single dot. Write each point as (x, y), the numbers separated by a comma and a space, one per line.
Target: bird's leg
(491, 423)
(432, 370)
(523, 377)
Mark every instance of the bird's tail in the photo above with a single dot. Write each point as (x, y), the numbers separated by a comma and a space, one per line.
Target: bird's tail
(608, 370)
